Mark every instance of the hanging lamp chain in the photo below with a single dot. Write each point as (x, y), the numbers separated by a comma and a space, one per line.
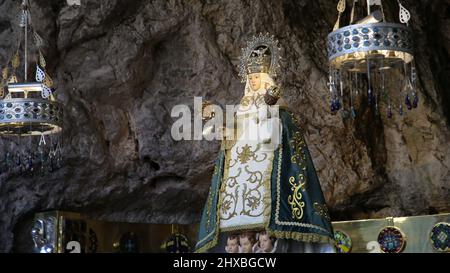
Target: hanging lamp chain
(24, 22)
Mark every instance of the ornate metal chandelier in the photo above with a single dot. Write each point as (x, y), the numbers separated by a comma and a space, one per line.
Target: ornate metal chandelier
(376, 50)
(29, 109)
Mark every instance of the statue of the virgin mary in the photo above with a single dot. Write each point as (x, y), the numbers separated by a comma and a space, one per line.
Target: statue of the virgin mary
(265, 195)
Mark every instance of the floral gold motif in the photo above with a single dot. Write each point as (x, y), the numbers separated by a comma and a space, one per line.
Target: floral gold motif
(295, 199)
(229, 204)
(230, 200)
(247, 153)
(230, 165)
(295, 120)
(298, 145)
(252, 197)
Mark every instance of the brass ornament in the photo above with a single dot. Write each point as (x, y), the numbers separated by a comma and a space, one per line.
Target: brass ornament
(5, 72)
(15, 62)
(39, 42)
(42, 62)
(48, 81)
(13, 79)
(340, 8)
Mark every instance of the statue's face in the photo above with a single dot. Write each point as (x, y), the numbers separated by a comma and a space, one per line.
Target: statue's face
(265, 243)
(255, 81)
(246, 245)
(232, 246)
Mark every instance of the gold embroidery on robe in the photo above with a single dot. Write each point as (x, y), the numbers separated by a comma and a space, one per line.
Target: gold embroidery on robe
(208, 209)
(295, 199)
(230, 200)
(252, 197)
(298, 145)
(322, 210)
(246, 154)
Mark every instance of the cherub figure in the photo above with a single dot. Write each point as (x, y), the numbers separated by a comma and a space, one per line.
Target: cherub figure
(232, 244)
(266, 244)
(247, 241)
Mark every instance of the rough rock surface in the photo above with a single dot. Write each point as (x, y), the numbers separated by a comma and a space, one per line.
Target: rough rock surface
(120, 66)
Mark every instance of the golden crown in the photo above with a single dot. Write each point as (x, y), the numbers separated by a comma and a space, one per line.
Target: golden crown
(259, 61)
(261, 55)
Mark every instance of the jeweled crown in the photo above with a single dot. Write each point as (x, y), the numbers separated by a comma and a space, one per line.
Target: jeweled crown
(259, 61)
(261, 55)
